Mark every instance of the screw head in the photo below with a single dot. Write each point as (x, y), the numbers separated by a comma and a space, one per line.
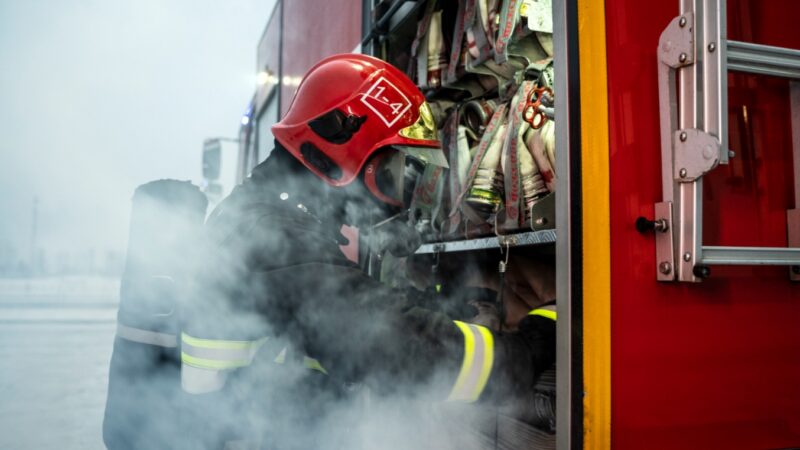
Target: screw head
(665, 267)
(731, 154)
(682, 173)
(687, 256)
(683, 136)
(712, 46)
(682, 22)
(682, 57)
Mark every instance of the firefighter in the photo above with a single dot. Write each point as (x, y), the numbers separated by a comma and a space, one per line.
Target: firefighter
(282, 323)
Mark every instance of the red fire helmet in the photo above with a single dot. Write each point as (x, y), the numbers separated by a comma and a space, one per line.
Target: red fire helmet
(346, 108)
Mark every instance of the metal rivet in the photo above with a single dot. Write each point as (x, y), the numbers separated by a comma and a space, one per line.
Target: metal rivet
(682, 58)
(665, 267)
(682, 173)
(687, 256)
(731, 154)
(540, 221)
(683, 136)
(682, 22)
(712, 46)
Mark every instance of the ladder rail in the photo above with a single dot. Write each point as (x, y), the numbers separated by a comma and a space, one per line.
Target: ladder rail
(695, 134)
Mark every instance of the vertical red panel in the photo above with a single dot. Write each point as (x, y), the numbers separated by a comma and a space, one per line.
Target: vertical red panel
(312, 30)
(716, 364)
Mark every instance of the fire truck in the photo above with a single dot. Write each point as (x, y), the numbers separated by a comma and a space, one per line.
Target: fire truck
(673, 222)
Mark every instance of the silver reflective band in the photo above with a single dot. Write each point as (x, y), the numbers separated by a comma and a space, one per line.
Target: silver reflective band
(476, 365)
(196, 380)
(146, 336)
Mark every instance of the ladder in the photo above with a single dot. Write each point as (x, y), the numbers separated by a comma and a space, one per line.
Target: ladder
(694, 51)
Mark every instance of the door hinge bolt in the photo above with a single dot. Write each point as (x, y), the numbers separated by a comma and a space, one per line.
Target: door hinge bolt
(687, 256)
(665, 267)
(682, 173)
(682, 22)
(712, 46)
(682, 58)
(731, 154)
(683, 136)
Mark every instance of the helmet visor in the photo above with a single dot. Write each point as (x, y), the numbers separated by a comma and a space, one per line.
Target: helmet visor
(424, 128)
(397, 172)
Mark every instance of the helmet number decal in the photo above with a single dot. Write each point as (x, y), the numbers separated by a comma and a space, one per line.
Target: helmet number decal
(386, 100)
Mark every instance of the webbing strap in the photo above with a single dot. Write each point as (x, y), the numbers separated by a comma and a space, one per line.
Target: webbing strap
(476, 365)
(418, 60)
(458, 160)
(479, 42)
(218, 354)
(458, 38)
(486, 140)
(146, 336)
(508, 21)
(511, 164)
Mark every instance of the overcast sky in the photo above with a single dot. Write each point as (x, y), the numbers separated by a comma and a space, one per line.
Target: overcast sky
(99, 96)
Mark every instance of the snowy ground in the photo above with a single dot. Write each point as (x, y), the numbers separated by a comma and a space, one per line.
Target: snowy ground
(56, 336)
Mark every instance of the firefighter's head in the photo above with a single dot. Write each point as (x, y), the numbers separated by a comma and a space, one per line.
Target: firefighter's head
(358, 118)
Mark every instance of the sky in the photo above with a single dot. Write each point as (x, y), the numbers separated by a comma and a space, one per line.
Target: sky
(100, 96)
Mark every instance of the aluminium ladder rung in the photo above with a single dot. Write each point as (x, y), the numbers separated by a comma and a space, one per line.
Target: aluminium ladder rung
(771, 256)
(763, 59)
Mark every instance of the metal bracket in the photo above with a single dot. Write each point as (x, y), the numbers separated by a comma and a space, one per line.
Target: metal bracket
(676, 44)
(696, 153)
(543, 213)
(665, 253)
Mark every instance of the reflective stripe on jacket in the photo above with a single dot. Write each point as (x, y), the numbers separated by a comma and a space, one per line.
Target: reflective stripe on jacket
(548, 311)
(143, 336)
(476, 365)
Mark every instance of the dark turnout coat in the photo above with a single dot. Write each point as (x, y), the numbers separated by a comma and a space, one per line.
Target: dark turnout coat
(321, 330)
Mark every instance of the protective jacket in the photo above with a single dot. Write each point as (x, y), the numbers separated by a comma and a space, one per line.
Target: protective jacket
(277, 297)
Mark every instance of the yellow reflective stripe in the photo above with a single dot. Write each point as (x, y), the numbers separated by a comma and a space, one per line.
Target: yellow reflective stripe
(313, 364)
(544, 313)
(476, 365)
(281, 358)
(469, 353)
(220, 344)
(488, 360)
(205, 363)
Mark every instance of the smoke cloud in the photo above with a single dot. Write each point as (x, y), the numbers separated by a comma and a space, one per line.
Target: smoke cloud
(381, 385)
